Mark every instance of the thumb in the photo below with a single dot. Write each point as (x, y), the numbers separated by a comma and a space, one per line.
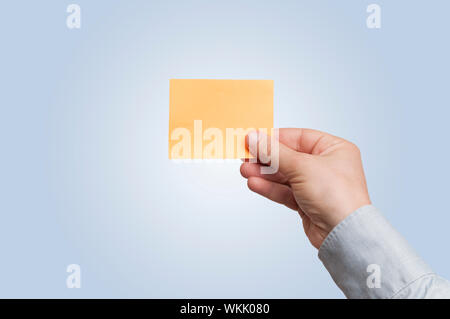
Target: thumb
(268, 150)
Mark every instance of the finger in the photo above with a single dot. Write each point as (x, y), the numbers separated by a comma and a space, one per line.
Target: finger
(277, 156)
(279, 193)
(307, 140)
(254, 170)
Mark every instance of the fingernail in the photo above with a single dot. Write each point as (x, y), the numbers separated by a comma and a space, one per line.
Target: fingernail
(253, 136)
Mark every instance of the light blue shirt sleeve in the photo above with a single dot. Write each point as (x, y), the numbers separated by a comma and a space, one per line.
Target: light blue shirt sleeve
(368, 258)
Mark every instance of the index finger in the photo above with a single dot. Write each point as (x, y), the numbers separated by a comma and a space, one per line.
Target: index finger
(307, 140)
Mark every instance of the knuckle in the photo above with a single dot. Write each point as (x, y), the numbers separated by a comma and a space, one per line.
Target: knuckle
(354, 147)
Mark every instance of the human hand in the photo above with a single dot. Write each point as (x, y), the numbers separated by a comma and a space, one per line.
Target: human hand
(320, 175)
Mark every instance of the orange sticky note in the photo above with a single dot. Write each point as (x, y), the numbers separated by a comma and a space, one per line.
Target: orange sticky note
(208, 119)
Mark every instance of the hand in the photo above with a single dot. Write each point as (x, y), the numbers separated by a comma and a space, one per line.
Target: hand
(320, 175)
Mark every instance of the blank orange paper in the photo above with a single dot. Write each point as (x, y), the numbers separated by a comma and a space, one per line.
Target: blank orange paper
(209, 118)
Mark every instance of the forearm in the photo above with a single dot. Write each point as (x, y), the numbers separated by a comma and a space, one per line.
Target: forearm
(368, 258)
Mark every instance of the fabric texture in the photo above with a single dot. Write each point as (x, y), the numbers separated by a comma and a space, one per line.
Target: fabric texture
(368, 258)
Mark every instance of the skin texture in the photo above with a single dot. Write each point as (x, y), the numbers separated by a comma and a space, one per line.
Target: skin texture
(320, 176)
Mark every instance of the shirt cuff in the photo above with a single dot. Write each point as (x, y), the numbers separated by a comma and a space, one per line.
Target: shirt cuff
(368, 258)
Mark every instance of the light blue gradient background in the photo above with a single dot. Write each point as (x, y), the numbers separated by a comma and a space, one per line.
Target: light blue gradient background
(84, 174)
